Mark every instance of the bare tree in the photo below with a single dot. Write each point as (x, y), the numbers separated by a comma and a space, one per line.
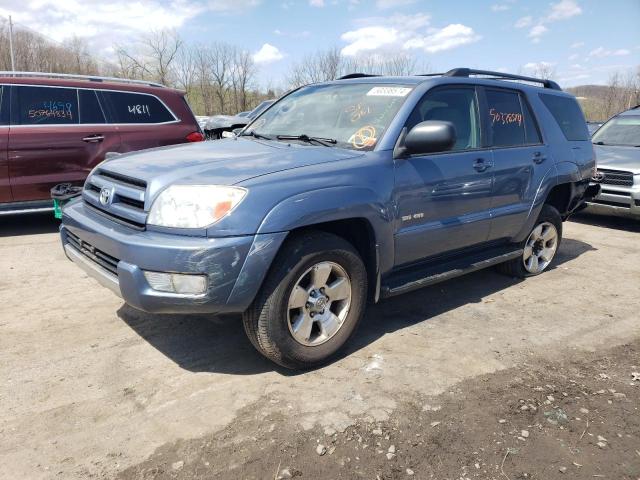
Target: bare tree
(318, 67)
(242, 77)
(154, 56)
(331, 64)
(611, 100)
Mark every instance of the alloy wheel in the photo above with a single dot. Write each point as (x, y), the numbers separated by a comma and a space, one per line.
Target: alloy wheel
(540, 247)
(319, 303)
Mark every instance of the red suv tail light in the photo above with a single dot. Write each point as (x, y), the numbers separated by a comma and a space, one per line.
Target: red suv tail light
(195, 137)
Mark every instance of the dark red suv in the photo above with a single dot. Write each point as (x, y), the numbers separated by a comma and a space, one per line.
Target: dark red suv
(56, 128)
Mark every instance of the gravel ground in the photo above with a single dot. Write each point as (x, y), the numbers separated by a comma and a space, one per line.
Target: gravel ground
(91, 388)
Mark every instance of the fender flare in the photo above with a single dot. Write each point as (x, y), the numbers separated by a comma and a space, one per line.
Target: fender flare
(334, 203)
(561, 172)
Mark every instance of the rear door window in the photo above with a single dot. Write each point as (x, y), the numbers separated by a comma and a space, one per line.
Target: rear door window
(505, 118)
(4, 105)
(90, 109)
(135, 108)
(568, 115)
(45, 106)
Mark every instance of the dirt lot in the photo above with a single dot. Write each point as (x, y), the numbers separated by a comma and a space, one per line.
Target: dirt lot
(480, 377)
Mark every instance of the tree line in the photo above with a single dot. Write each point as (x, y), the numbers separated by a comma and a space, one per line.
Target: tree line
(220, 78)
(600, 102)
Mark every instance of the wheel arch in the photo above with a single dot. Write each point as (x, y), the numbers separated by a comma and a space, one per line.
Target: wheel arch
(359, 232)
(357, 214)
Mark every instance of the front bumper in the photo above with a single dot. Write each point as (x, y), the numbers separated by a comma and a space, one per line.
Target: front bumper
(117, 256)
(618, 200)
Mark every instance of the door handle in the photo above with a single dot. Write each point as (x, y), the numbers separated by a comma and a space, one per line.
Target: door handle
(481, 165)
(93, 138)
(538, 158)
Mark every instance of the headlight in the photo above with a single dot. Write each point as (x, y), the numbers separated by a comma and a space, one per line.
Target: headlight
(194, 206)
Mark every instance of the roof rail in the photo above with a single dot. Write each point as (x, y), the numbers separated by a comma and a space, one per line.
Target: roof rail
(466, 72)
(91, 78)
(357, 75)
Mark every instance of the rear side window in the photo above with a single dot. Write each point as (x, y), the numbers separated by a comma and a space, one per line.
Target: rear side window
(125, 107)
(531, 127)
(46, 106)
(90, 109)
(568, 115)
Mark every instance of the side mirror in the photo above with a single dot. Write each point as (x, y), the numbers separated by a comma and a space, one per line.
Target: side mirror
(430, 136)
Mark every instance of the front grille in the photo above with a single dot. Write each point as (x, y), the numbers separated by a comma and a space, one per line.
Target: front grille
(126, 201)
(616, 177)
(97, 256)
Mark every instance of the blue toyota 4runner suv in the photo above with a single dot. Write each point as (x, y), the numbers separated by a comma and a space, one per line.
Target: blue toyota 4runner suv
(361, 188)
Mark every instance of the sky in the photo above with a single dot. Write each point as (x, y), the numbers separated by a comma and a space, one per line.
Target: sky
(584, 41)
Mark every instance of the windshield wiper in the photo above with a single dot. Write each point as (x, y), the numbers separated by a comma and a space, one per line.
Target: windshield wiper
(255, 135)
(327, 142)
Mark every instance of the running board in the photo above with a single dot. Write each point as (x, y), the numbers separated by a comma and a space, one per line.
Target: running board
(418, 276)
(17, 208)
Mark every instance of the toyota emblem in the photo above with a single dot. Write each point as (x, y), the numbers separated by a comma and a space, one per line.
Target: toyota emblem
(598, 176)
(106, 196)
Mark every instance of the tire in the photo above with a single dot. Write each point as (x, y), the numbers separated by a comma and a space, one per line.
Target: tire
(277, 323)
(521, 267)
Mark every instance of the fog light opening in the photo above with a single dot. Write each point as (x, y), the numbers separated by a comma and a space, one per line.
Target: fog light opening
(177, 283)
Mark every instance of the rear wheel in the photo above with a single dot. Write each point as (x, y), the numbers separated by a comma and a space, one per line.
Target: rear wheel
(310, 302)
(540, 246)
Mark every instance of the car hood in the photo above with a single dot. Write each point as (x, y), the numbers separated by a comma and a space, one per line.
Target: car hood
(225, 121)
(223, 162)
(618, 158)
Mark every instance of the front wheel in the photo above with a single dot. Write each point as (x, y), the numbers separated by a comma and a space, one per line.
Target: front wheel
(540, 247)
(310, 303)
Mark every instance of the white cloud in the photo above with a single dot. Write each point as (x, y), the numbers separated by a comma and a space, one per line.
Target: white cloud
(524, 22)
(368, 39)
(268, 54)
(102, 23)
(316, 3)
(601, 52)
(573, 57)
(537, 65)
(405, 32)
(411, 22)
(451, 36)
(577, 45)
(285, 33)
(536, 32)
(564, 9)
(384, 4)
(500, 7)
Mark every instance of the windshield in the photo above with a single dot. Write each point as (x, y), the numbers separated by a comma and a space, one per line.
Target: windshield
(623, 130)
(350, 115)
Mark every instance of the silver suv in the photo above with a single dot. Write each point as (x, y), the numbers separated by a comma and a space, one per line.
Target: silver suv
(617, 147)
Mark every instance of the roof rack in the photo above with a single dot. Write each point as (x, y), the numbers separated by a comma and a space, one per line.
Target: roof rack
(357, 75)
(466, 72)
(91, 78)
